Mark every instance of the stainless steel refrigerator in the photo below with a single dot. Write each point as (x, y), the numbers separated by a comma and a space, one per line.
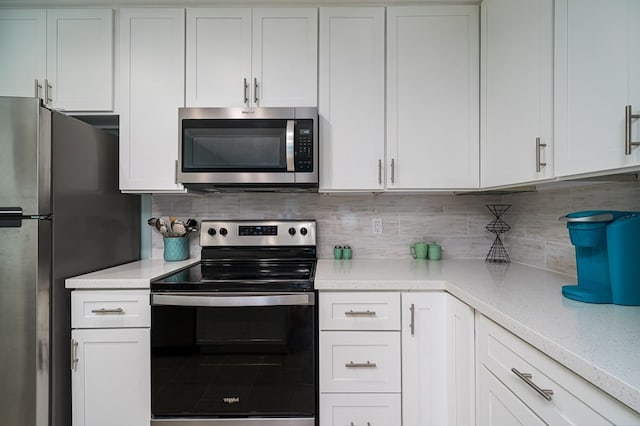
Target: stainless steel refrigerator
(61, 214)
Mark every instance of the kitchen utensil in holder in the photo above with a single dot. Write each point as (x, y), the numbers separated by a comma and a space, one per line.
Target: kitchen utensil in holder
(497, 252)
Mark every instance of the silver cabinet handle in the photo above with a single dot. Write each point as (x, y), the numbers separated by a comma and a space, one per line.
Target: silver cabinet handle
(604, 217)
(47, 92)
(393, 170)
(37, 87)
(291, 125)
(255, 90)
(367, 313)
(380, 172)
(245, 87)
(353, 424)
(221, 300)
(367, 364)
(107, 311)
(412, 324)
(74, 355)
(628, 143)
(526, 377)
(539, 146)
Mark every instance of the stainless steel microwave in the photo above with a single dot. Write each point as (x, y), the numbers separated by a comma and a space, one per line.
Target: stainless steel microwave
(222, 149)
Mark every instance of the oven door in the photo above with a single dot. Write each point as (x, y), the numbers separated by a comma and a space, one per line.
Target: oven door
(223, 357)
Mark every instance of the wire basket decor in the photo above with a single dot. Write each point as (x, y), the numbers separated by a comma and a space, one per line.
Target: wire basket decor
(497, 252)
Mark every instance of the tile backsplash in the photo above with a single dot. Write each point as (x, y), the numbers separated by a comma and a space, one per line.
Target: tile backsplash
(456, 222)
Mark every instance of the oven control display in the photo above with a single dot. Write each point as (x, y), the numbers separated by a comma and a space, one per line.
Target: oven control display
(257, 230)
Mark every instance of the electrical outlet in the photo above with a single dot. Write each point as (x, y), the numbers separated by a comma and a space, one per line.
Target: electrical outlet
(377, 226)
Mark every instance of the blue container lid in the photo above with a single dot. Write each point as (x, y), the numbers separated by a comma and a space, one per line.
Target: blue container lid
(592, 219)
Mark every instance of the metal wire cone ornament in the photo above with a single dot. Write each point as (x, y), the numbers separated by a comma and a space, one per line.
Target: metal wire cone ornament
(497, 252)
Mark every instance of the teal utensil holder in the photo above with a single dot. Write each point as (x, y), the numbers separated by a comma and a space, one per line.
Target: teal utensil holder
(176, 248)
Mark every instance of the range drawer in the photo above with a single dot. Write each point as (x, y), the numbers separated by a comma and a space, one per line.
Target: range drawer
(359, 310)
(574, 400)
(110, 308)
(343, 409)
(360, 361)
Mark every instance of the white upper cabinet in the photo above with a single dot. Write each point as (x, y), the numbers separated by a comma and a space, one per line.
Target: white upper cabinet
(432, 97)
(151, 90)
(516, 91)
(351, 98)
(64, 56)
(597, 67)
(23, 47)
(218, 57)
(252, 57)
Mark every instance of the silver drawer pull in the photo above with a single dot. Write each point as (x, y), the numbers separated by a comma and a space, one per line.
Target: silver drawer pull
(107, 311)
(367, 364)
(353, 424)
(367, 313)
(526, 377)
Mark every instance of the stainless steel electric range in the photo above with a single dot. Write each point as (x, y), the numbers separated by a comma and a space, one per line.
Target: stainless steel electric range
(234, 338)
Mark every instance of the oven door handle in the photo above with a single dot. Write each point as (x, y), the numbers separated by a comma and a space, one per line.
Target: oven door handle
(200, 300)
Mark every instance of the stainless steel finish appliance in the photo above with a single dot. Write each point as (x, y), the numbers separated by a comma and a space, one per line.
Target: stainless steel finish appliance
(61, 215)
(256, 149)
(234, 338)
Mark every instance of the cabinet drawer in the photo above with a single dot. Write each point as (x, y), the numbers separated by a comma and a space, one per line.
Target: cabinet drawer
(110, 308)
(359, 361)
(359, 311)
(360, 409)
(574, 400)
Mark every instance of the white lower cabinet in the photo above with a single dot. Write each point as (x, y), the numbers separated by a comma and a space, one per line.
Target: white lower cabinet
(110, 367)
(344, 409)
(517, 384)
(392, 358)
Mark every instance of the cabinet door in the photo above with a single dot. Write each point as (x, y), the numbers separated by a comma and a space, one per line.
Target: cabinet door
(460, 363)
(351, 102)
(497, 406)
(218, 57)
(151, 90)
(110, 381)
(424, 359)
(517, 91)
(285, 57)
(597, 65)
(432, 97)
(342, 409)
(80, 59)
(23, 47)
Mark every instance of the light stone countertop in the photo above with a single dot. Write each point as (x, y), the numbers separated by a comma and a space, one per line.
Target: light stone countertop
(599, 342)
(129, 275)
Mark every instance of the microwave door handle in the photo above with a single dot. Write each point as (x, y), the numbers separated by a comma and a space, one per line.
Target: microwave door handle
(291, 124)
(200, 300)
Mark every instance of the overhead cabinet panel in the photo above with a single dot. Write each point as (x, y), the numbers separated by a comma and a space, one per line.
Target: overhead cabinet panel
(596, 78)
(516, 91)
(80, 59)
(218, 57)
(285, 57)
(23, 47)
(351, 98)
(432, 97)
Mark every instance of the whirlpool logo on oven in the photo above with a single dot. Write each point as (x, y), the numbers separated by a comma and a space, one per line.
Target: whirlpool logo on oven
(231, 400)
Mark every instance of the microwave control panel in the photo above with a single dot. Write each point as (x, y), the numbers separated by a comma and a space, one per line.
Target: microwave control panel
(303, 146)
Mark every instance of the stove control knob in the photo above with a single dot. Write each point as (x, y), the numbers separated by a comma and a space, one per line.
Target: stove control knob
(211, 231)
(223, 232)
(303, 231)
(292, 231)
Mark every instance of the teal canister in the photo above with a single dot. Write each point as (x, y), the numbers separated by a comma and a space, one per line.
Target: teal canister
(435, 252)
(176, 248)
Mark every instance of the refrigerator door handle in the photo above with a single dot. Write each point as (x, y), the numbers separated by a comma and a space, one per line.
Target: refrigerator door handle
(11, 217)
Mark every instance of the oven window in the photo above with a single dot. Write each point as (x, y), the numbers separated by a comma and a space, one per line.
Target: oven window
(234, 145)
(233, 362)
